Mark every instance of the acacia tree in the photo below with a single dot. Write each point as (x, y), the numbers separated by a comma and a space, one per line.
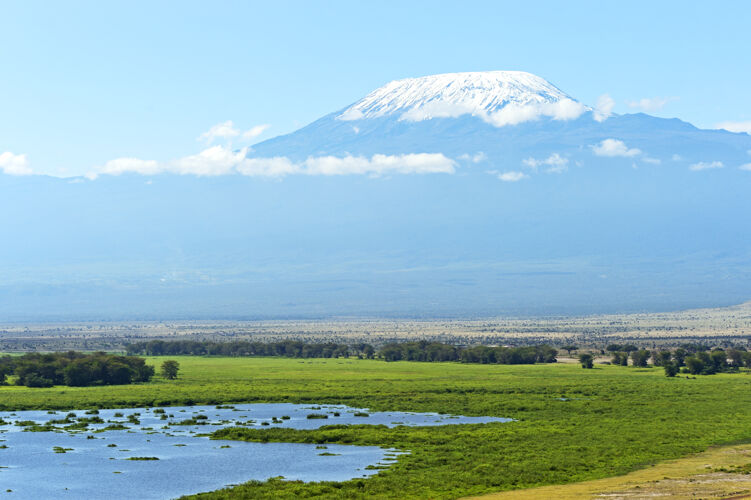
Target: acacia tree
(570, 348)
(170, 369)
(586, 360)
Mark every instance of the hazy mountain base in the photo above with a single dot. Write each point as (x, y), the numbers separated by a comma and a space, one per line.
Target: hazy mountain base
(726, 325)
(608, 234)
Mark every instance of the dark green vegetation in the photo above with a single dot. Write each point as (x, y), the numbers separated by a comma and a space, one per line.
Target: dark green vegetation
(395, 351)
(613, 419)
(74, 369)
(587, 360)
(286, 348)
(169, 369)
(695, 359)
(434, 351)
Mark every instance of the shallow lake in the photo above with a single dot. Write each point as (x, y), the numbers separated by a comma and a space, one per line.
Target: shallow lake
(54, 455)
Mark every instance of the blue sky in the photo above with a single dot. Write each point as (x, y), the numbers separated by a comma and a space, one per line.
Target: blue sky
(83, 83)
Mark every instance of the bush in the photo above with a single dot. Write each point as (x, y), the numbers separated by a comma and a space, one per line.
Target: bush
(587, 360)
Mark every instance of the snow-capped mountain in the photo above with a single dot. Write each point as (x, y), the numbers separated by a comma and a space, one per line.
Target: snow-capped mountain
(463, 194)
(509, 119)
(482, 94)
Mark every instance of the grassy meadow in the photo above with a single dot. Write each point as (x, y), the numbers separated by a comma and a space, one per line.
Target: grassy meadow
(572, 424)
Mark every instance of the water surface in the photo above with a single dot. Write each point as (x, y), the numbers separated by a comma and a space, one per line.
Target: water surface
(67, 461)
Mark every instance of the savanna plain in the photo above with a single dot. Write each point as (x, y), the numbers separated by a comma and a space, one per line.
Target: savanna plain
(571, 426)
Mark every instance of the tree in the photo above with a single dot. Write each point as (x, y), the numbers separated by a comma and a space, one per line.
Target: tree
(736, 356)
(170, 369)
(680, 356)
(661, 358)
(570, 348)
(640, 357)
(719, 360)
(695, 365)
(586, 360)
(671, 369)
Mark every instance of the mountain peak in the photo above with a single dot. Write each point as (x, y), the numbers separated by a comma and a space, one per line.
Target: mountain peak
(453, 94)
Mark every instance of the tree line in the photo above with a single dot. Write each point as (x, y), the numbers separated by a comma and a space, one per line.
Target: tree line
(285, 348)
(695, 359)
(434, 351)
(395, 351)
(74, 369)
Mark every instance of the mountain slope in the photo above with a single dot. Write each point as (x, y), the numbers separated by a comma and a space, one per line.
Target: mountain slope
(566, 211)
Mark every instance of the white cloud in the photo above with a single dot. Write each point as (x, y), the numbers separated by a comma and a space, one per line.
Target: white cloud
(268, 167)
(555, 161)
(475, 158)
(254, 132)
(423, 163)
(120, 166)
(613, 148)
(735, 126)
(226, 130)
(746, 167)
(706, 165)
(514, 114)
(351, 114)
(511, 114)
(676, 157)
(650, 104)
(12, 164)
(512, 176)
(653, 161)
(603, 108)
(218, 160)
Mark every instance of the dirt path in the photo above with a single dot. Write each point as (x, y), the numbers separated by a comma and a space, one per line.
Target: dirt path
(720, 472)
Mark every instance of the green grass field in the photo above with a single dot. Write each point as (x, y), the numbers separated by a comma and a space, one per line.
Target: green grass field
(616, 419)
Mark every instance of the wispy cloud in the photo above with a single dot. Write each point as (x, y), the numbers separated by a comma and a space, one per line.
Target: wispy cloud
(603, 108)
(254, 132)
(512, 176)
(650, 103)
(706, 165)
(120, 166)
(13, 164)
(735, 126)
(614, 148)
(218, 160)
(555, 161)
(227, 130)
(475, 158)
(746, 167)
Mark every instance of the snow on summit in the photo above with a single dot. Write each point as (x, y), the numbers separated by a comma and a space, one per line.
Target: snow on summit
(498, 97)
